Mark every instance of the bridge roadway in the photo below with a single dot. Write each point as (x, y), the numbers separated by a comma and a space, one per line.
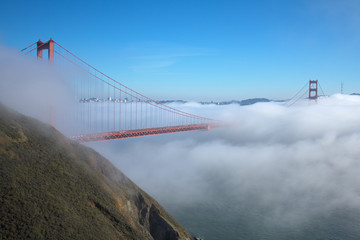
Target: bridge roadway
(141, 132)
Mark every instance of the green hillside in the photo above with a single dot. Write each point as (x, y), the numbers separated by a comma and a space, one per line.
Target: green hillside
(54, 188)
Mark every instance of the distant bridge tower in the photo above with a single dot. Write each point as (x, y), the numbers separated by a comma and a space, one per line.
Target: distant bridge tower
(313, 89)
(49, 45)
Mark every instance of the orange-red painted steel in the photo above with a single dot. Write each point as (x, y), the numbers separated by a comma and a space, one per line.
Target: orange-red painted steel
(313, 89)
(49, 45)
(163, 118)
(142, 132)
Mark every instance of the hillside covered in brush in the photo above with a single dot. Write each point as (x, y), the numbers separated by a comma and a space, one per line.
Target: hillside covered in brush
(54, 188)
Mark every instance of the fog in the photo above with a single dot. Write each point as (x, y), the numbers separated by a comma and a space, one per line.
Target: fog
(38, 89)
(277, 167)
(272, 172)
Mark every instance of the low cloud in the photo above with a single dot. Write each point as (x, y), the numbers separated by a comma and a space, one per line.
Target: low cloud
(272, 164)
(37, 88)
(290, 165)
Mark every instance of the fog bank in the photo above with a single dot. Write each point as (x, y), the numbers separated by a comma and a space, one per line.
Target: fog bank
(36, 88)
(271, 167)
(286, 165)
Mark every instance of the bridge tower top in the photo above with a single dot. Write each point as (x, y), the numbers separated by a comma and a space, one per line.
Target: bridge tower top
(313, 89)
(49, 45)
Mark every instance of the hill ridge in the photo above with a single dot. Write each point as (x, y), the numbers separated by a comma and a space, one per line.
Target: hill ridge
(55, 188)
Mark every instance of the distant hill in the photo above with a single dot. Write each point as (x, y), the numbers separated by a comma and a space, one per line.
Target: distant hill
(54, 188)
(240, 102)
(253, 101)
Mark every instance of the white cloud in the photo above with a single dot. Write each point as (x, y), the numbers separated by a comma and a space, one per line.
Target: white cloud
(36, 88)
(288, 165)
(297, 163)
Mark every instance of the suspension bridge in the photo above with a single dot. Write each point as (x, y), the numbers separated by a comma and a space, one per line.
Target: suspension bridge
(105, 109)
(311, 89)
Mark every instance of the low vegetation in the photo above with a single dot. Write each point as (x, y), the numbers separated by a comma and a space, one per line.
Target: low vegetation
(54, 188)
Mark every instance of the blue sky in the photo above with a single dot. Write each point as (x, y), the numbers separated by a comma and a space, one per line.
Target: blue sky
(201, 50)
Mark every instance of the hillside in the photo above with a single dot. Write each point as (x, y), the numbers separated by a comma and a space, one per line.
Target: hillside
(54, 188)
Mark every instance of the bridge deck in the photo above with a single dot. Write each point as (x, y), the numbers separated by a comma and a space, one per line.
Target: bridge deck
(101, 100)
(141, 132)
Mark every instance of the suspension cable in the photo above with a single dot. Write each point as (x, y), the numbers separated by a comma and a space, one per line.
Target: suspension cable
(131, 95)
(36, 47)
(165, 106)
(321, 90)
(287, 102)
(27, 47)
(298, 99)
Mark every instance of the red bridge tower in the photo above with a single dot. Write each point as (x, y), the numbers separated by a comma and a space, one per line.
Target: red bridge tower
(49, 45)
(313, 89)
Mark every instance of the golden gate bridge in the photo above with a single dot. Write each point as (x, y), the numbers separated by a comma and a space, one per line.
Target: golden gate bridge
(108, 110)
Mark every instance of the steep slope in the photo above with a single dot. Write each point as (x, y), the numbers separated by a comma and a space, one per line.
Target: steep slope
(54, 188)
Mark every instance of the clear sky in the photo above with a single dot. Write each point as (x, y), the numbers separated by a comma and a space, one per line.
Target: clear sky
(201, 49)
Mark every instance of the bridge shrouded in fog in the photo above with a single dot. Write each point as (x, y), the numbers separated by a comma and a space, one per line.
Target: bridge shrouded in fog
(310, 90)
(105, 109)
